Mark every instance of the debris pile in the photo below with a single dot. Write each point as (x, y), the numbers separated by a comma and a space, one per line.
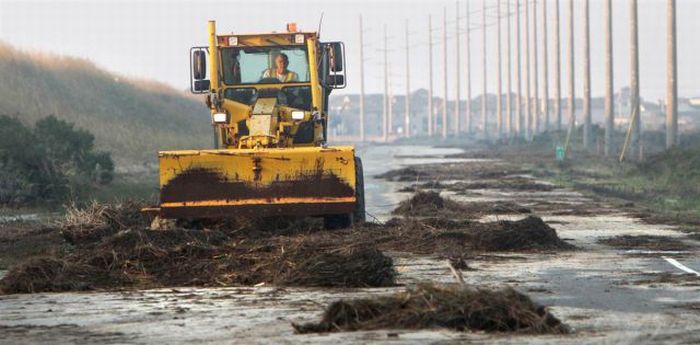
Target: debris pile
(482, 208)
(95, 221)
(108, 252)
(111, 246)
(530, 233)
(450, 237)
(455, 307)
(364, 267)
(647, 242)
(403, 175)
(431, 204)
(441, 225)
(425, 185)
(452, 171)
(425, 204)
(512, 183)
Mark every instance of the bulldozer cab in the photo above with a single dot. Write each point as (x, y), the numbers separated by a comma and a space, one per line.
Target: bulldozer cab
(268, 90)
(268, 96)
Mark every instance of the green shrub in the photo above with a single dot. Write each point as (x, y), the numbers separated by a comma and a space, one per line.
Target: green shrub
(50, 162)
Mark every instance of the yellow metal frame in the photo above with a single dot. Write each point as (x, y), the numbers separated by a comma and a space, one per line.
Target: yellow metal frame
(264, 173)
(309, 176)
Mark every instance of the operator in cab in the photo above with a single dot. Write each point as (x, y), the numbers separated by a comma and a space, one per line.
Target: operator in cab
(280, 72)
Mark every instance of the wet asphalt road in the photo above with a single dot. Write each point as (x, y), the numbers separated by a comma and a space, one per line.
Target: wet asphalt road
(604, 293)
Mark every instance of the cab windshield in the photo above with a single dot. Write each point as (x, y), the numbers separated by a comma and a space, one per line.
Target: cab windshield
(265, 65)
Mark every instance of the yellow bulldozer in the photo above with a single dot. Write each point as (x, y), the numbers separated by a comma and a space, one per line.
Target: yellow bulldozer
(268, 94)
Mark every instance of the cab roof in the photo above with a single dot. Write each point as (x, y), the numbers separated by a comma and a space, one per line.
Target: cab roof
(264, 39)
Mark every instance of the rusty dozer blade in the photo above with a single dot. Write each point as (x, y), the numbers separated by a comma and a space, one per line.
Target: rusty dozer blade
(300, 181)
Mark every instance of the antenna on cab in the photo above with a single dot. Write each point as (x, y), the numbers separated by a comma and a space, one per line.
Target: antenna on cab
(320, 21)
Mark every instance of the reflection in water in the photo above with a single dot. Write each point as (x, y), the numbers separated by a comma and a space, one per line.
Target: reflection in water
(380, 195)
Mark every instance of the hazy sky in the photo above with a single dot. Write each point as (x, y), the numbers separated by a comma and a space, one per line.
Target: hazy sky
(151, 39)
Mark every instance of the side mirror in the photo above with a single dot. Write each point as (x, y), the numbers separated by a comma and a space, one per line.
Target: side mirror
(335, 65)
(336, 55)
(198, 70)
(199, 65)
(201, 86)
(336, 81)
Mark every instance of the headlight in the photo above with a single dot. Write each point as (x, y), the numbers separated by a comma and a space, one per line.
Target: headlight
(297, 115)
(220, 118)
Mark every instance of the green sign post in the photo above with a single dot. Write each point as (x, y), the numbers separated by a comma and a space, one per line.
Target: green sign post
(560, 153)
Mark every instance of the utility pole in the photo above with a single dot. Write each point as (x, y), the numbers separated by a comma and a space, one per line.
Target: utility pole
(609, 86)
(430, 76)
(484, 105)
(557, 66)
(457, 74)
(528, 112)
(509, 99)
(390, 126)
(572, 90)
(672, 77)
(469, 72)
(518, 83)
(499, 94)
(535, 73)
(444, 62)
(407, 115)
(362, 84)
(587, 134)
(385, 113)
(636, 122)
(545, 68)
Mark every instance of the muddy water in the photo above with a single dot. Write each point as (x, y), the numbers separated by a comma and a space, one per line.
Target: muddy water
(381, 196)
(597, 289)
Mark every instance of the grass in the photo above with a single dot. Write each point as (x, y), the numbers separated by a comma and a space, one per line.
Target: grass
(666, 184)
(129, 186)
(131, 119)
(125, 186)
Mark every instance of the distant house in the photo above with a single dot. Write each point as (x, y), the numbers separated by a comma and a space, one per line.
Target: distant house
(689, 114)
(345, 112)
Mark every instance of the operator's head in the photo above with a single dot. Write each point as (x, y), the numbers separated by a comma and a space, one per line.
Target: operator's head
(282, 61)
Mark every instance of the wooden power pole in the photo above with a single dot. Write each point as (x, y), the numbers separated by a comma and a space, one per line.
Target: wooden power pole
(587, 134)
(407, 107)
(519, 123)
(609, 79)
(528, 80)
(545, 68)
(509, 86)
(469, 72)
(572, 86)
(390, 126)
(484, 100)
(636, 118)
(385, 113)
(535, 73)
(362, 84)
(499, 93)
(444, 69)
(672, 77)
(458, 96)
(557, 67)
(430, 77)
